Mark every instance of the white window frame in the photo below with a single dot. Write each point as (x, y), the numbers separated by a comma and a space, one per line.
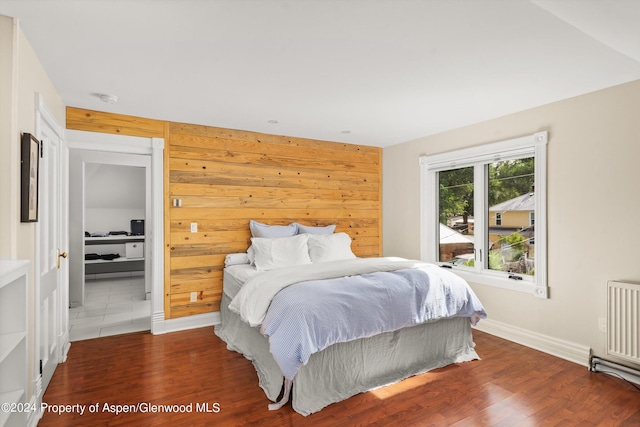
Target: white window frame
(498, 219)
(528, 146)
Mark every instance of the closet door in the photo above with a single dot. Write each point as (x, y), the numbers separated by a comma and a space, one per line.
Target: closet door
(52, 281)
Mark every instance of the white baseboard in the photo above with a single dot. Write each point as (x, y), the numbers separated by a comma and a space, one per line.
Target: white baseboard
(35, 402)
(163, 326)
(573, 352)
(63, 344)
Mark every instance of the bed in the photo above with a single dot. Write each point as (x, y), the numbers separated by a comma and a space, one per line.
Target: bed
(297, 319)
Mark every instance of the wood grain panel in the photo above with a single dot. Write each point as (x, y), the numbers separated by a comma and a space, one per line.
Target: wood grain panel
(204, 202)
(196, 273)
(167, 222)
(226, 177)
(97, 121)
(193, 131)
(182, 286)
(286, 172)
(290, 215)
(269, 180)
(367, 164)
(204, 190)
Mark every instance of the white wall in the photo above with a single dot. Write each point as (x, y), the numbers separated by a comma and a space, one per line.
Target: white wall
(21, 77)
(114, 195)
(593, 205)
(9, 145)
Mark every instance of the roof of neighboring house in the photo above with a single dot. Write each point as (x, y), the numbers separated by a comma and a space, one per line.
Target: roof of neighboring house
(526, 202)
(449, 235)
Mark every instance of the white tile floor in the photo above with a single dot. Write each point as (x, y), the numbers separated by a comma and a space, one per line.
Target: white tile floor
(112, 306)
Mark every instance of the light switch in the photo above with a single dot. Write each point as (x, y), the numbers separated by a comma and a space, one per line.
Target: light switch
(194, 227)
(193, 297)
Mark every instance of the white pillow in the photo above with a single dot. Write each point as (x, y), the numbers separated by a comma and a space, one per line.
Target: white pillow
(251, 255)
(263, 230)
(280, 252)
(235, 259)
(302, 229)
(329, 247)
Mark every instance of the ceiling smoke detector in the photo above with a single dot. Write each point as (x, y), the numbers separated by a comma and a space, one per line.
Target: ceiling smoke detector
(109, 99)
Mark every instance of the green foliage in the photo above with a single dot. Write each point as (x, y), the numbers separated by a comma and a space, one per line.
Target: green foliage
(456, 193)
(507, 179)
(516, 242)
(495, 259)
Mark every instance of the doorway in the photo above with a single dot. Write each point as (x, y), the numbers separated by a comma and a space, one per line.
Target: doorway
(115, 156)
(115, 297)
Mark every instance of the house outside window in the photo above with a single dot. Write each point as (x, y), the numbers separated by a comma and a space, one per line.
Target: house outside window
(486, 195)
(511, 246)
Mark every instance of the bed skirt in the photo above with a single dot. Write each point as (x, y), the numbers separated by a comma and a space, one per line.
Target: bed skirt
(346, 369)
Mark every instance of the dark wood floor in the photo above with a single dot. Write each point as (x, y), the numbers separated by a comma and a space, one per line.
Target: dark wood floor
(511, 386)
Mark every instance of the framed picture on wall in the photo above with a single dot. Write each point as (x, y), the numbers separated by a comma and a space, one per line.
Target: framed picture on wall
(29, 172)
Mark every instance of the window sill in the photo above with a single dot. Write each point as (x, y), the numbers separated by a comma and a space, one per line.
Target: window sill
(501, 281)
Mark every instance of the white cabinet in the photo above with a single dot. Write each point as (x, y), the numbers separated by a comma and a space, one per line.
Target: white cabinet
(13, 340)
(130, 249)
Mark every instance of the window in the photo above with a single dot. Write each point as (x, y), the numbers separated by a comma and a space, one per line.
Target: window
(478, 207)
(498, 218)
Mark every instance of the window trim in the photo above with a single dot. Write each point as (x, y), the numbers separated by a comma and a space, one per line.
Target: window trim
(531, 145)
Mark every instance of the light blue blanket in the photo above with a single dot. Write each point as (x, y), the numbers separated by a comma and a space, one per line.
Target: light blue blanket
(308, 317)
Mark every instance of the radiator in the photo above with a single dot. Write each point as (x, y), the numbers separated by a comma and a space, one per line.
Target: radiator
(623, 320)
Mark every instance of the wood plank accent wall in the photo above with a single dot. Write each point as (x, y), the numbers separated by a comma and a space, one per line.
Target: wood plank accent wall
(98, 121)
(226, 177)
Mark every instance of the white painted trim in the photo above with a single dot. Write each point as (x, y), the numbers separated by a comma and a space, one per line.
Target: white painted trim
(567, 350)
(530, 145)
(46, 115)
(187, 322)
(110, 143)
(480, 222)
(509, 149)
(541, 289)
(33, 417)
(428, 211)
(157, 235)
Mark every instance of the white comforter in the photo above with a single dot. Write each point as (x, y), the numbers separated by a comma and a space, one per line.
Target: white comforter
(253, 300)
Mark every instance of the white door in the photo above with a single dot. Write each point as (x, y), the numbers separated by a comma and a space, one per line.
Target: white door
(51, 242)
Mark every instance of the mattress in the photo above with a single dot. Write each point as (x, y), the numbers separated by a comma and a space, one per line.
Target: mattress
(235, 276)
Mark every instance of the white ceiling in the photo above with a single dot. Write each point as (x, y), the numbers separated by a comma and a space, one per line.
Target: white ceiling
(387, 71)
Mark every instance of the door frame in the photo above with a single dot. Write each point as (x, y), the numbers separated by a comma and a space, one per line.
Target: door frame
(154, 226)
